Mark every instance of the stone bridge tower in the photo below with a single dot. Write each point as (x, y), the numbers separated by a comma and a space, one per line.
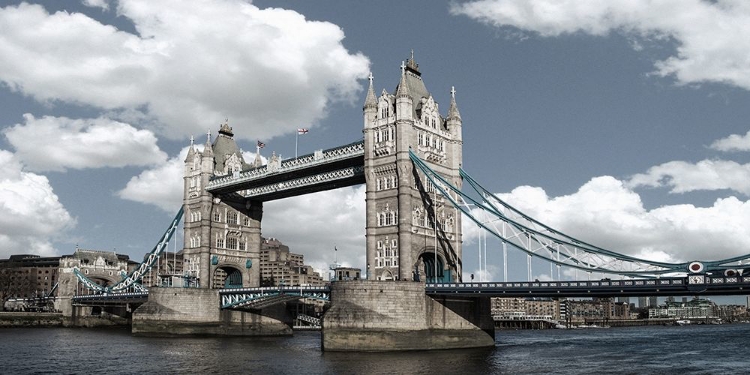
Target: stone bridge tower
(412, 231)
(222, 239)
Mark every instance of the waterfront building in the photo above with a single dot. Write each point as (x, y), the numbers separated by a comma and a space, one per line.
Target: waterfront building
(696, 308)
(27, 276)
(525, 308)
(346, 273)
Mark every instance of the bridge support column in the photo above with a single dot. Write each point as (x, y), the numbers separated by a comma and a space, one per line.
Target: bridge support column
(188, 311)
(385, 316)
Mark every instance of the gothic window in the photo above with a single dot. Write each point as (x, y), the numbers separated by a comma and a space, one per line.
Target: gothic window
(377, 185)
(380, 244)
(394, 243)
(243, 245)
(219, 243)
(232, 218)
(217, 216)
(246, 221)
(421, 136)
(393, 181)
(231, 243)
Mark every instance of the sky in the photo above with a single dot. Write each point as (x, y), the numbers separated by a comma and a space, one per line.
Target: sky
(624, 123)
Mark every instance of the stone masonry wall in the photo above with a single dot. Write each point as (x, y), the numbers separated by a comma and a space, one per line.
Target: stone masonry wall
(178, 311)
(387, 315)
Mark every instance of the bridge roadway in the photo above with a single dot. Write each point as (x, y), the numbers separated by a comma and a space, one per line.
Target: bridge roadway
(665, 286)
(257, 298)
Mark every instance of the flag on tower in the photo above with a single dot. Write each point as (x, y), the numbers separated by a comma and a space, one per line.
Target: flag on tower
(301, 131)
(261, 144)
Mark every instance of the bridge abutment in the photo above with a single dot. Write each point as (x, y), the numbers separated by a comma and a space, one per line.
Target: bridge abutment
(188, 311)
(384, 316)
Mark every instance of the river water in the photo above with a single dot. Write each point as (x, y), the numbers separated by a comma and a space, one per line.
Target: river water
(699, 349)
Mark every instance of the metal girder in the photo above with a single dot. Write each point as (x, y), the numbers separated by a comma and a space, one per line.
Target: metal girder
(277, 174)
(258, 298)
(308, 184)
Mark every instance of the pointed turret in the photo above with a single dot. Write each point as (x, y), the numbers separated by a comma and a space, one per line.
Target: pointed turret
(208, 150)
(370, 101)
(191, 151)
(453, 121)
(404, 103)
(453, 110)
(371, 105)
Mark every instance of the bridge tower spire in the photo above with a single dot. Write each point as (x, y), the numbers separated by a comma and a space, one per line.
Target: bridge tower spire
(411, 232)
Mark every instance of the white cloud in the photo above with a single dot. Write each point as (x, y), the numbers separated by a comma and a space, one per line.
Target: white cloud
(58, 143)
(606, 213)
(684, 177)
(313, 224)
(192, 64)
(711, 36)
(734, 142)
(104, 4)
(162, 185)
(31, 216)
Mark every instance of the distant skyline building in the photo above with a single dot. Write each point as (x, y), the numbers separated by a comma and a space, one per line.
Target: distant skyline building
(279, 266)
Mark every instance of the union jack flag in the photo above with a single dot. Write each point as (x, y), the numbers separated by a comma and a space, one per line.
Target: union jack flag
(261, 144)
(301, 131)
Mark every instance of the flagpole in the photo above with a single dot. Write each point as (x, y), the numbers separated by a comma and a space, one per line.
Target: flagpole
(296, 137)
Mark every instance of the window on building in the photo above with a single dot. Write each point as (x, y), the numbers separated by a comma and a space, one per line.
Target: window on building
(217, 216)
(233, 218)
(220, 243)
(232, 243)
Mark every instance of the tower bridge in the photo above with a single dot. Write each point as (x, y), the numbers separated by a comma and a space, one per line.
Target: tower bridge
(410, 163)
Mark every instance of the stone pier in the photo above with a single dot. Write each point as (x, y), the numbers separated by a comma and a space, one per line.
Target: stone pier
(383, 316)
(185, 311)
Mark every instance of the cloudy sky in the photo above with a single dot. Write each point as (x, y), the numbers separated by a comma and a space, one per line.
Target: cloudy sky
(625, 123)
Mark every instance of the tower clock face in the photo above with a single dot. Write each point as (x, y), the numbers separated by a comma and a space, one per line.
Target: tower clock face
(696, 279)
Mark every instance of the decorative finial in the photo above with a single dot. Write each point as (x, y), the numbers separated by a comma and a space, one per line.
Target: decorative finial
(209, 136)
(453, 92)
(370, 77)
(412, 54)
(403, 68)
(192, 140)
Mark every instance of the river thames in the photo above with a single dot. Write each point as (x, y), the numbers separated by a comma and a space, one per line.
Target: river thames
(699, 349)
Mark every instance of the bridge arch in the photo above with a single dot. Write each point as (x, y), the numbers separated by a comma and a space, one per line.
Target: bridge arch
(226, 276)
(386, 275)
(425, 268)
